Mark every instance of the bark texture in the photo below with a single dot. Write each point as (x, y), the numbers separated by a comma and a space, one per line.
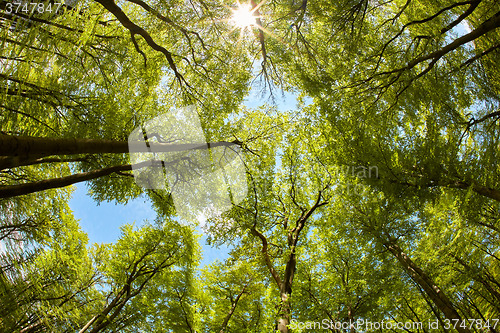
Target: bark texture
(437, 296)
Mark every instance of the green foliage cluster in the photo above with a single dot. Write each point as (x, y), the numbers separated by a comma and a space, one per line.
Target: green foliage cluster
(376, 199)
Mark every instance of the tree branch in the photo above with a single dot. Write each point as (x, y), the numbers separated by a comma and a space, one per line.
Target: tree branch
(8, 191)
(134, 29)
(267, 259)
(233, 307)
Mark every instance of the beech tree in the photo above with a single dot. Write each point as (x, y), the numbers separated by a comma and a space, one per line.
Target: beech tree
(375, 199)
(233, 298)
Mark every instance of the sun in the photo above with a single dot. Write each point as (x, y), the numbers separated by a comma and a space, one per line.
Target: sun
(243, 17)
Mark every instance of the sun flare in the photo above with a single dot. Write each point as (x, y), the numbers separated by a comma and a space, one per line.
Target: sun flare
(243, 17)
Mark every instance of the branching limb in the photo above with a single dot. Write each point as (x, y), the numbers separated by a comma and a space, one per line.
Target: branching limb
(134, 29)
(185, 32)
(8, 191)
(473, 5)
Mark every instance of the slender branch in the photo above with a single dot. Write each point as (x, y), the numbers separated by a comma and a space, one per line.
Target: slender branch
(166, 19)
(488, 116)
(479, 56)
(49, 160)
(487, 26)
(233, 307)
(58, 25)
(134, 29)
(28, 116)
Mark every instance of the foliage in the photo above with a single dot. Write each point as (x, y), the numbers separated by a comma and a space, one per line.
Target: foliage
(376, 199)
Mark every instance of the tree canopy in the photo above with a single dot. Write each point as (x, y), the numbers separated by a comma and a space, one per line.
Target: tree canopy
(371, 205)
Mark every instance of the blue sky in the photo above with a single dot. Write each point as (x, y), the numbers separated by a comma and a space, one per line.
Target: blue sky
(102, 221)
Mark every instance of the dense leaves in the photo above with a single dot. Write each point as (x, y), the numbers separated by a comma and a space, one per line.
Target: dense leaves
(375, 199)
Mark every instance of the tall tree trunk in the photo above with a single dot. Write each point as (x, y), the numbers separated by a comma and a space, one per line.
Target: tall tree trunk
(485, 278)
(286, 288)
(8, 191)
(435, 293)
(479, 189)
(15, 149)
(485, 191)
(285, 312)
(285, 285)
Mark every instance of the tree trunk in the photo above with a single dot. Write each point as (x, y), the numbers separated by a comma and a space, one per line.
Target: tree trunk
(485, 278)
(479, 189)
(460, 184)
(437, 296)
(285, 285)
(286, 289)
(284, 314)
(16, 148)
(8, 191)
(491, 24)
